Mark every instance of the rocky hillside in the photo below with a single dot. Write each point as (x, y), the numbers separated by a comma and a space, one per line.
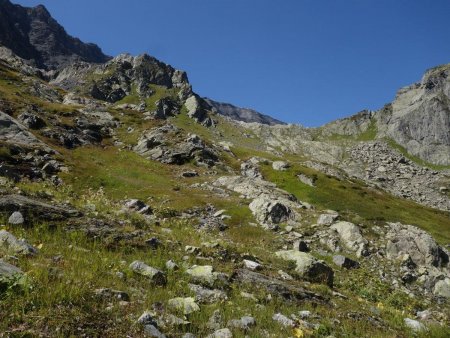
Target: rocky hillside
(242, 114)
(130, 207)
(34, 35)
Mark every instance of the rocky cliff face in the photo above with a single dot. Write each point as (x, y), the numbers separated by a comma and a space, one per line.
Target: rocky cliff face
(419, 117)
(242, 114)
(34, 35)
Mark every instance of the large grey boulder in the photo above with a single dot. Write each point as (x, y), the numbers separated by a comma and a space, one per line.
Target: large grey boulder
(269, 212)
(351, 236)
(156, 276)
(10, 244)
(35, 209)
(308, 267)
(418, 244)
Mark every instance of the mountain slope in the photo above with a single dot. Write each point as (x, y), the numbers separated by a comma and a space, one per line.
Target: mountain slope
(131, 208)
(33, 34)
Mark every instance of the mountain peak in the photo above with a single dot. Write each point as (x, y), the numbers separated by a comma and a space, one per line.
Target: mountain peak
(34, 35)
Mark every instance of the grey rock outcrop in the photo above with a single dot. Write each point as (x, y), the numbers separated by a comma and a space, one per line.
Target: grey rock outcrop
(242, 114)
(418, 244)
(419, 117)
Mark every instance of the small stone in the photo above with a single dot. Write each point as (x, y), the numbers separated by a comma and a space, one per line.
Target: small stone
(283, 320)
(345, 262)
(252, 265)
(215, 321)
(414, 324)
(304, 314)
(185, 305)
(222, 333)
(153, 243)
(110, 294)
(156, 276)
(328, 218)
(189, 174)
(193, 250)
(171, 265)
(301, 245)
(280, 165)
(245, 323)
(152, 331)
(16, 218)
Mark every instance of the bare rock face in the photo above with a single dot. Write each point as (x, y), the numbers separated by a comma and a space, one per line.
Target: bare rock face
(167, 144)
(34, 35)
(419, 117)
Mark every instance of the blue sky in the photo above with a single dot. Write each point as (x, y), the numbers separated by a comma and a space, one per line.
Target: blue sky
(302, 61)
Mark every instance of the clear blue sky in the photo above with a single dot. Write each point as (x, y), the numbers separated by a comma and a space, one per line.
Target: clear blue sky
(302, 61)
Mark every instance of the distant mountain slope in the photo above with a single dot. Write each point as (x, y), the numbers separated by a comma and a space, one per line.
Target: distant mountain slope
(242, 114)
(33, 34)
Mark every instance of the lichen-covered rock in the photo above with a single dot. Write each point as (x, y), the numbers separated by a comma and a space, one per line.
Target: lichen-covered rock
(308, 267)
(418, 244)
(442, 288)
(270, 212)
(9, 243)
(185, 305)
(156, 276)
(351, 236)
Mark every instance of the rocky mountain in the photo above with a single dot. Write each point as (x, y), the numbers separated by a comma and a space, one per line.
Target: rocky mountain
(34, 35)
(131, 207)
(242, 114)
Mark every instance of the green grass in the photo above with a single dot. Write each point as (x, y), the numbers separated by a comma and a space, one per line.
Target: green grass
(355, 200)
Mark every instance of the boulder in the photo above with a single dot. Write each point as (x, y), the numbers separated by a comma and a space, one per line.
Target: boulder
(222, 333)
(9, 243)
(156, 276)
(351, 236)
(8, 272)
(207, 296)
(244, 323)
(274, 286)
(442, 288)
(138, 206)
(252, 265)
(308, 267)
(16, 218)
(185, 305)
(280, 165)
(327, 218)
(418, 244)
(202, 274)
(35, 209)
(345, 262)
(270, 212)
(283, 320)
